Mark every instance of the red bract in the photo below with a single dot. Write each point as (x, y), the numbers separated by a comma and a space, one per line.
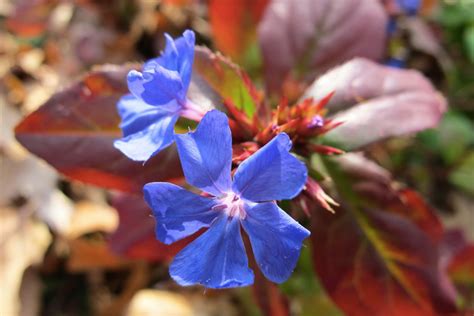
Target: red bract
(314, 193)
(303, 121)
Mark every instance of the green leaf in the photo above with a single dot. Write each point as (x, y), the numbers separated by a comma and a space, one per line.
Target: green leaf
(226, 80)
(451, 139)
(463, 175)
(469, 42)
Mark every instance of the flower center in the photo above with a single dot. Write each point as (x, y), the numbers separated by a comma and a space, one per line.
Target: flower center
(232, 204)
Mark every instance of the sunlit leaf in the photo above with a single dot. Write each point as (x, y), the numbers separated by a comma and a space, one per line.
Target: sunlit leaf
(376, 102)
(226, 79)
(75, 129)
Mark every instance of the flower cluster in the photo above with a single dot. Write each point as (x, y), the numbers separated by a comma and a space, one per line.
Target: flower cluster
(217, 258)
(157, 100)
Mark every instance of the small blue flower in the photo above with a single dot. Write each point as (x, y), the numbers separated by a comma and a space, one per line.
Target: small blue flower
(157, 100)
(217, 258)
(395, 62)
(411, 7)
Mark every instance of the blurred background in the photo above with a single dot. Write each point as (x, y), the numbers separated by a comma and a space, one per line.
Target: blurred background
(55, 233)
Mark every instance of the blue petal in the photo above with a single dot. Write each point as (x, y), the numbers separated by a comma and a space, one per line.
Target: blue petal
(206, 154)
(177, 52)
(178, 56)
(168, 59)
(410, 6)
(142, 145)
(272, 173)
(185, 48)
(156, 87)
(276, 239)
(216, 259)
(178, 212)
(137, 115)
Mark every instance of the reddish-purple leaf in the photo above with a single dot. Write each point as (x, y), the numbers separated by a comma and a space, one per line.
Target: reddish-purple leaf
(75, 129)
(379, 254)
(311, 36)
(135, 236)
(458, 261)
(461, 268)
(375, 102)
(375, 183)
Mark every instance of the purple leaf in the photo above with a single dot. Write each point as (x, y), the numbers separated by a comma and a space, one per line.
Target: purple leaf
(376, 102)
(316, 35)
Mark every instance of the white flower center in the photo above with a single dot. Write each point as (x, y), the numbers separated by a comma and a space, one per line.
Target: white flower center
(232, 205)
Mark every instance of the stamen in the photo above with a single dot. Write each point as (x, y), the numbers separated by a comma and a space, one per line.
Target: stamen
(232, 205)
(219, 207)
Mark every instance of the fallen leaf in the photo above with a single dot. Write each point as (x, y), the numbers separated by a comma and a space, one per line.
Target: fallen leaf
(89, 217)
(24, 176)
(86, 255)
(23, 243)
(156, 302)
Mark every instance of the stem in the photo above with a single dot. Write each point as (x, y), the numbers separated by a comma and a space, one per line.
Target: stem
(192, 111)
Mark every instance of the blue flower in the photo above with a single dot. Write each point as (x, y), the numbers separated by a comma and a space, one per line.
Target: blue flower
(157, 100)
(217, 258)
(395, 62)
(411, 7)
